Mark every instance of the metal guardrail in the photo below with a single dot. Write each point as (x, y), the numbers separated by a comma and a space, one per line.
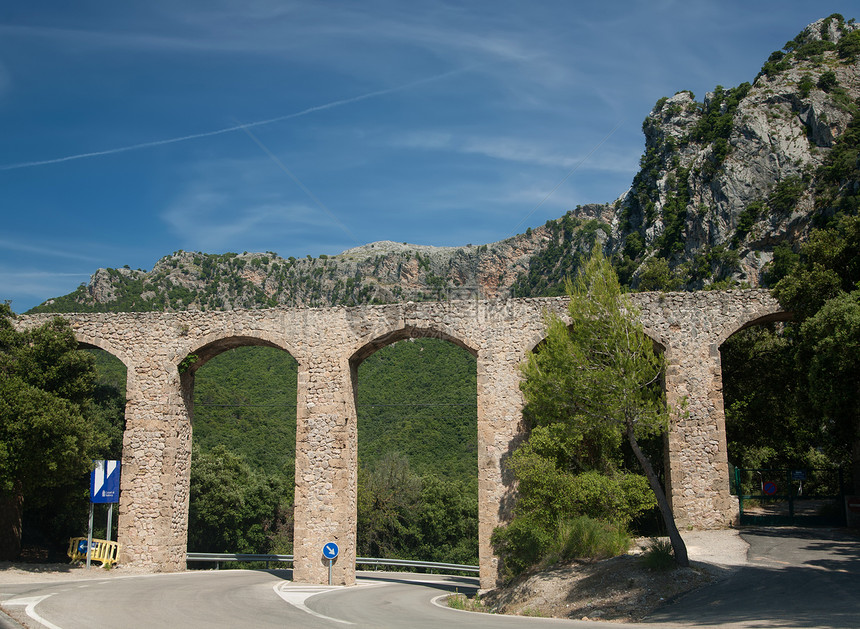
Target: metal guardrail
(410, 563)
(217, 558)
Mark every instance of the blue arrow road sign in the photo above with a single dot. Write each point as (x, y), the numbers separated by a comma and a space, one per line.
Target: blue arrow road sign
(330, 550)
(104, 482)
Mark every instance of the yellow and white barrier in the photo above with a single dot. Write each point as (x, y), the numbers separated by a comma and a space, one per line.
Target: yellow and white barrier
(102, 550)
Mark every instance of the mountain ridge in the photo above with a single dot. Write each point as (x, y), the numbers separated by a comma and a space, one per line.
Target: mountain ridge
(723, 185)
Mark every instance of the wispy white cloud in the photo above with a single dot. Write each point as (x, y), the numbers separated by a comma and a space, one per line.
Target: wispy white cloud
(32, 286)
(241, 204)
(239, 127)
(43, 249)
(537, 152)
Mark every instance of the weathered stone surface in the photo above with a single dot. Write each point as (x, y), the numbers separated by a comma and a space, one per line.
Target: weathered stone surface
(783, 128)
(329, 343)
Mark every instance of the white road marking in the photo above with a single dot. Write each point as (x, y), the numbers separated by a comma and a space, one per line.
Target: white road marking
(30, 609)
(297, 594)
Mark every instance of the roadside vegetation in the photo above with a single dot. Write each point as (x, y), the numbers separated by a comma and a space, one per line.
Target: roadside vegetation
(593, 392)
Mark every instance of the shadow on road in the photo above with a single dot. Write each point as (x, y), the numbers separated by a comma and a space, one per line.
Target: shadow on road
(795, 578)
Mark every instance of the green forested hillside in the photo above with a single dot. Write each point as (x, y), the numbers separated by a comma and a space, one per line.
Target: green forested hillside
(419, 398)
(417, 441)
(415, 397)
(245, 399)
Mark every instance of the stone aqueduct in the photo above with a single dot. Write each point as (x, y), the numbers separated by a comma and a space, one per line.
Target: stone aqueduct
(329, 344)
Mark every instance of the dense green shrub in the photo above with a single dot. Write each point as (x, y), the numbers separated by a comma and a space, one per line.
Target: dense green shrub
(656, 275)
(827, 80)
(786, 194)
(521, 544)
(587, 538)
(849, 46)
(805, 85)
(618, 497)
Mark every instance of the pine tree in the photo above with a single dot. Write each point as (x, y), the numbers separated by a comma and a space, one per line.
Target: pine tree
(600, 375)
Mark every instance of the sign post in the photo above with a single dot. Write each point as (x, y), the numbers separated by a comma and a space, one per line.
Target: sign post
(330, 552)
(104, 488)
(90, 536)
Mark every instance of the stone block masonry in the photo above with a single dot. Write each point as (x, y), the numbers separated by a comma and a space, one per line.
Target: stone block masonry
(330, 343)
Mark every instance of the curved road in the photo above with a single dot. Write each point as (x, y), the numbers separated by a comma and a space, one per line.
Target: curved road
(246, 598)
(794, 578)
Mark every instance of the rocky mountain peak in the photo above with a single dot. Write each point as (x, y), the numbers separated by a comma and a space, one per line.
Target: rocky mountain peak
(726, 180)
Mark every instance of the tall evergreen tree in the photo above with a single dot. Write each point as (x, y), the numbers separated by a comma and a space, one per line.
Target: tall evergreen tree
(599, 376)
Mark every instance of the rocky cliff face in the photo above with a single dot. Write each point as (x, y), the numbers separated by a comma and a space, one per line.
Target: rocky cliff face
(723, 182)
(726, 180)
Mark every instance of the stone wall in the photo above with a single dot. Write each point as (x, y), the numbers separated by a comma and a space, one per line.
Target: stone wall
(330, 343)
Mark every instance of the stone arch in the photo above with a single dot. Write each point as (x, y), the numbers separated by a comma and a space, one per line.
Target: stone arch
(368, 347)
(86, 341)
(727, 375)
(404, 333)
(733, 327)
(120, 355)
(209, 346)
(205, 349)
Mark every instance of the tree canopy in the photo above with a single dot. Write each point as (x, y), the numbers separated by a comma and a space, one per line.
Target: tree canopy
(46, 429)
(593, 382)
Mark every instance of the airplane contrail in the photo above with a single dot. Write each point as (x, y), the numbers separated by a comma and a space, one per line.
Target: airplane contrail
(240, 127)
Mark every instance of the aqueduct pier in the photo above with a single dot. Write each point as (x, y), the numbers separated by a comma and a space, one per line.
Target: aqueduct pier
(330, 343)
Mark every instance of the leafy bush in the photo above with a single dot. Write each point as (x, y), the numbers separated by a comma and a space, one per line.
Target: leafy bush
(784, 262)
(634, 245)
(617, 498)
(805, 85)
(656, 275)
(526, 542)
(786, 194)
(520, 545)
(746, 220)
(827, 80)
(849, 46)
(813, 48)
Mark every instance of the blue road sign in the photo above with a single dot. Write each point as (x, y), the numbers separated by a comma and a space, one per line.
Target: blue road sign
(82, 546)
(769, 488)
(330, 550)
(104, 482)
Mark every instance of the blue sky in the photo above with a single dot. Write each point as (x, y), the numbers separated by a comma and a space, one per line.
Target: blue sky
(132, 130)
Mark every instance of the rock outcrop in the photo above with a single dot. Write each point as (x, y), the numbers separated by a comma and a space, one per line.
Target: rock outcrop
(736, 173)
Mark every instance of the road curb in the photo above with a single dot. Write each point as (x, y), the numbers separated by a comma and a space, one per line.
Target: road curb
(7, 622)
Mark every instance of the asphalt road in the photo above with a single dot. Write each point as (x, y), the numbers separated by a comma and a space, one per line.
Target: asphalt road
(244, 598)
(794, 578)
(802, 578)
